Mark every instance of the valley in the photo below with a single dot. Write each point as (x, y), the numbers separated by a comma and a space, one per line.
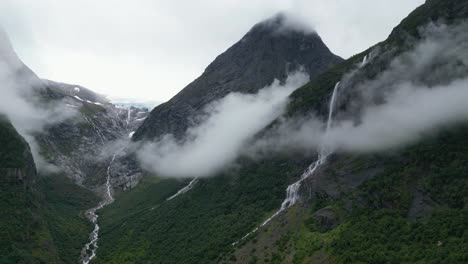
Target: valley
(356, 160)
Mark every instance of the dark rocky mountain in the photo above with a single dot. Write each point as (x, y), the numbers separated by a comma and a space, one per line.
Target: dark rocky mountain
(269, 51)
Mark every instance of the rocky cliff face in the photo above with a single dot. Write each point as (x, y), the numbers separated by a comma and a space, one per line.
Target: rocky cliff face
(270, 50)
(84, 144)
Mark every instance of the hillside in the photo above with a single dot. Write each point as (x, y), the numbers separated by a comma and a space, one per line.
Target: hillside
(366, 164)
(41, 219)
(406, 205)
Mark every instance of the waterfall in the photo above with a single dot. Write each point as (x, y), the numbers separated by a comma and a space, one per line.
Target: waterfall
(129, 117)
(292, 192)
(89, 250)
(184, 190)
(364, 61)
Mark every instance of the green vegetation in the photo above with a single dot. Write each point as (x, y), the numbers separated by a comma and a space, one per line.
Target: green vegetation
(50, 228)
(63, 209)
(380, 222)
(12, 145)
(141, 227)
(380, 229)
(41, 219)
(23, 235)
(313, 93)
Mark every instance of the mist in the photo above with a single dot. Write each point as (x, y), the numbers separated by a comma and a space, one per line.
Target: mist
(20, 103)
(284, 23)
(423, 92)
(216, 143)
(410, 114)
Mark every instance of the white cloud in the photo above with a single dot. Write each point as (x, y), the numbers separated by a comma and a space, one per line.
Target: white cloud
(423, 91)
(20, 103)
(219, 139)
(152, 49)
(410, 114)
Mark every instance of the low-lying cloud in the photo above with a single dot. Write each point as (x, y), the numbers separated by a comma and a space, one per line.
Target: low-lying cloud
(423, 92)
(218, 140)
(20, 103)
(410, 114)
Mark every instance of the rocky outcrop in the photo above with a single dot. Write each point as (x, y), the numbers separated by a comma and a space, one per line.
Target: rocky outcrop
(269, 51)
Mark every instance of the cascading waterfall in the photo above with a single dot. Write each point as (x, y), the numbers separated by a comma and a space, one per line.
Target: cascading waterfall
(292, 192)
(89, 250)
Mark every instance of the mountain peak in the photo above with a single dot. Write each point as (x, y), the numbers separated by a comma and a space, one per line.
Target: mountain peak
(270, 50)
(282, 24)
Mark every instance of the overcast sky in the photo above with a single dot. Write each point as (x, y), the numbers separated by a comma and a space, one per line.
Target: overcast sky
(151, 49)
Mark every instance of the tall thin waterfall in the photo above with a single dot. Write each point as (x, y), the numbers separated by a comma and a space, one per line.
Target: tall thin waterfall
(292, 192)
(364, 60)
